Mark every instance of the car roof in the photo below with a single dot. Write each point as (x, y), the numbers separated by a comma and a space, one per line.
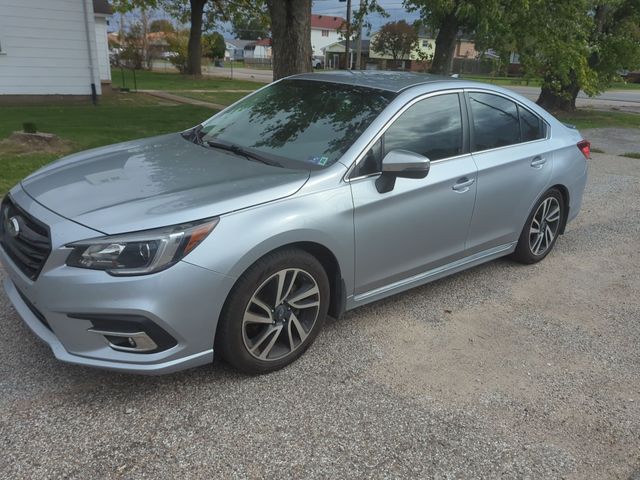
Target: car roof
(383, 80)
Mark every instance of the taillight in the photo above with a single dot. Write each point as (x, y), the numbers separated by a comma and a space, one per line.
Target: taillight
(585, 148)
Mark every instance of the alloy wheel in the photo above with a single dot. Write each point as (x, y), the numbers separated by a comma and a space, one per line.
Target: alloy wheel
(281, 314)
(544, 226)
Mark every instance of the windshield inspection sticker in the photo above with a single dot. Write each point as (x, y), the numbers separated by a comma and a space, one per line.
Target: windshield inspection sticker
(318, 160)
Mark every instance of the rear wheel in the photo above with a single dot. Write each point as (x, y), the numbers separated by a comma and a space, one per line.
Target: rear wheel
(542, 228)
(274, 312)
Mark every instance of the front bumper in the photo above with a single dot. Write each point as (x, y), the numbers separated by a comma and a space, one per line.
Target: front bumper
(184, 301)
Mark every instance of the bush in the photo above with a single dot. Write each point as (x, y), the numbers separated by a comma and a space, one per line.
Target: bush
(178, 49)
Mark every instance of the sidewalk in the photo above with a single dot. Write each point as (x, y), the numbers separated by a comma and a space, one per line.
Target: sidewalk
(189, 101)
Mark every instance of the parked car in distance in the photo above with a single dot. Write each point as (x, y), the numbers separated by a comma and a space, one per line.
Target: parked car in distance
(312, 196)
(317, 62)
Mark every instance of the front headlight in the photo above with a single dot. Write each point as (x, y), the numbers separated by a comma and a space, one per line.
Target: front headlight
(140, 253)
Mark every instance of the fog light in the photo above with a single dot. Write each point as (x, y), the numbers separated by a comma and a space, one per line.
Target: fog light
(138, 342)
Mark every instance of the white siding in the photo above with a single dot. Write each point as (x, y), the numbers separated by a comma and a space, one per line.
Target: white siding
(102, 44)
(44, 46)
(318, 42)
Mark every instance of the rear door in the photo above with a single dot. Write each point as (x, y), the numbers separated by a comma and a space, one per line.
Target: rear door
(514, 159)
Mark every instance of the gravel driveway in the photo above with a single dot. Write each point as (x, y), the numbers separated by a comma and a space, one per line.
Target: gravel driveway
(502, 371)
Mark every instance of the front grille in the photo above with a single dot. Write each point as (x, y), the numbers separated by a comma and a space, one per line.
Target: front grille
(25, 239)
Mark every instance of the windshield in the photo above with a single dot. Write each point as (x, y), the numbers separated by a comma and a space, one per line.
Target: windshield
(299, 121)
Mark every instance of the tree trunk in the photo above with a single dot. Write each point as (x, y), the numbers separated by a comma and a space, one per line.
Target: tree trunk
(194, 54)
(553, 100)
(445, 45)
(291, 36)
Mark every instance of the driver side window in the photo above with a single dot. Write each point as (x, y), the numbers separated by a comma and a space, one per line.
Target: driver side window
(431, 127)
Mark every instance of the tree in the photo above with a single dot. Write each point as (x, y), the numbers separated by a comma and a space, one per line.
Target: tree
(361, 22)
(396, 39)
(574, 45)
(213, 45)
(162, 25)
(290, 21)
(178, 43)
(202, 16)
(291, 36)
(450, 18)
(250, 28)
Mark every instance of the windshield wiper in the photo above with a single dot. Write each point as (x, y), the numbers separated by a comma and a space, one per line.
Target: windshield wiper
(238, 150)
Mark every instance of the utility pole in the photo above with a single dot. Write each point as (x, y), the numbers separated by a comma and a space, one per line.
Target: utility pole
(359, 39)
(346, 43)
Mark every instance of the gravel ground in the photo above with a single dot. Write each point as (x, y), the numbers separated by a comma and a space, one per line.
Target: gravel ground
(501, 371)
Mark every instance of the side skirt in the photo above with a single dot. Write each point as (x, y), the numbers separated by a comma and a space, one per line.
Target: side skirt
(430, 275)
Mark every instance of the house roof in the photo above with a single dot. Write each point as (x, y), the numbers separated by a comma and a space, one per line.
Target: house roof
(239, 44)
(102, 7)
(327, 22)
(266, 42)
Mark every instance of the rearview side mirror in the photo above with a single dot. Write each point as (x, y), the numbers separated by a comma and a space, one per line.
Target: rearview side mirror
(403, 164)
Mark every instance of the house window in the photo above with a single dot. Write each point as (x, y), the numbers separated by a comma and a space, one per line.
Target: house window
(425, 43)
(325, 33)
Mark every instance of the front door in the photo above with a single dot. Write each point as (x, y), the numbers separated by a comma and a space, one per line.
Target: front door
(422, 223)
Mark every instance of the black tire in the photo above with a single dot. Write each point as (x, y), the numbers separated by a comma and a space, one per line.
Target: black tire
(233, 341)
(526, 252)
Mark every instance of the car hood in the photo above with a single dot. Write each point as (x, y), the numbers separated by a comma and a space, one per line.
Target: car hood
(156, 182)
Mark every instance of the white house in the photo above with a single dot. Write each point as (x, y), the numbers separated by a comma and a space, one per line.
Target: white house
(325, 30)
(51, 48)
(258, 49)
(234, 48)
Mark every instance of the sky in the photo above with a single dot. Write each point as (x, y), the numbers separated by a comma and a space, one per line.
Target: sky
(393, 7)
(321, 7)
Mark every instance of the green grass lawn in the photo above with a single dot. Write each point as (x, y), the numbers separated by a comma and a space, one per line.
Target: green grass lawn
(174, 81)
(587, 118)
(118, 118)
(505, 81)
(535, 82)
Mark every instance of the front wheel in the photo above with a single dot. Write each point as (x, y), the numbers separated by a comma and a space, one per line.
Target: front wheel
(542, 228)
(274, 312)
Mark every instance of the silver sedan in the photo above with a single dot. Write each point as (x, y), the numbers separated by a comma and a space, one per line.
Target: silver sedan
(314, 195)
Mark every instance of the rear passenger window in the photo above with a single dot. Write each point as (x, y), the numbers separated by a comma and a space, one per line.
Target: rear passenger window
(431, 127)
(531, 127)
(495, 121)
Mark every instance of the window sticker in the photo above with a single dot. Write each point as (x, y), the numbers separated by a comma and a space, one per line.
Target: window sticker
(318, 160)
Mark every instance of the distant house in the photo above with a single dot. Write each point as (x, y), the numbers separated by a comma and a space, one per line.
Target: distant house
(417, 59)
(258, 49)
(325, 30)
(335, 58)
(234, 48)
(53, 48)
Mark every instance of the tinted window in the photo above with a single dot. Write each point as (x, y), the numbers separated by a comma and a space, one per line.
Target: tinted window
(431, 127)
(299, 121)
(495, 121)
(531, 126)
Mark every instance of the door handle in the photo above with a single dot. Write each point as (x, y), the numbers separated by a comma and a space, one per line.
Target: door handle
(463, 184)
(538, 162)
